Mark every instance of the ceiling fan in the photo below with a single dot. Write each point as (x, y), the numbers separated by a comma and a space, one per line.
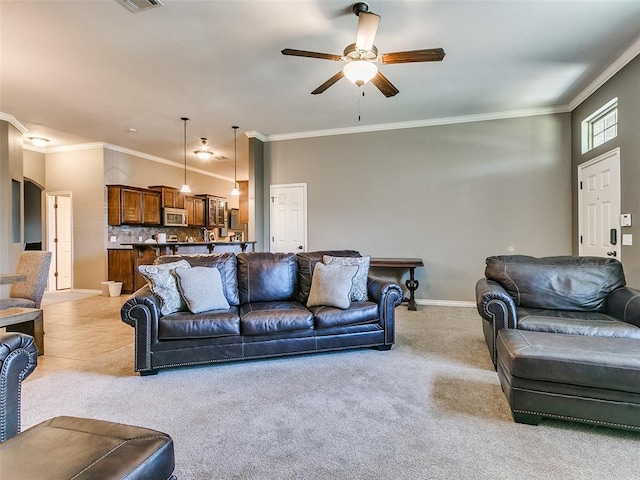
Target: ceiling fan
(361, 57)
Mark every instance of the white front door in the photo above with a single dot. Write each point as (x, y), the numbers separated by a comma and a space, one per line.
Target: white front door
(599, 206)
(288, 218)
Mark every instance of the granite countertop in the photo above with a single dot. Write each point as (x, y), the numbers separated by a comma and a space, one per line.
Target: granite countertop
(171, 244)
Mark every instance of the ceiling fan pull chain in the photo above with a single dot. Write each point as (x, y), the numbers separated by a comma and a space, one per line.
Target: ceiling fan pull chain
(359, 99)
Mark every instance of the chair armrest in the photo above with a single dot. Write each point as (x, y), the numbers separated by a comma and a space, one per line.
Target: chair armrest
(18, 358)
(142, 311)
(388, 295)
(624, 304)
(495, 304)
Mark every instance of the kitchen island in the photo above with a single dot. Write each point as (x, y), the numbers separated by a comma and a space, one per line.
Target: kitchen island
(124, 260)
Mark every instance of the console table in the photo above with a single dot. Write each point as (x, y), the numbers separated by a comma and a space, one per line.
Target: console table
(403, 263)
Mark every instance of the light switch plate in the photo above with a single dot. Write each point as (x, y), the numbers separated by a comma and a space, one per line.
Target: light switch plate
(625, 220)
(627, 239)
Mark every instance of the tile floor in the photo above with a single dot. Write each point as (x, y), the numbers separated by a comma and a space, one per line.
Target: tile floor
(78, 328)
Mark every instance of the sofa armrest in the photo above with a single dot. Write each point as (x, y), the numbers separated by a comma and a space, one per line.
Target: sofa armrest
(624, 304)
(388, 295)
(18, 358)
(495, 304)
(142, 311)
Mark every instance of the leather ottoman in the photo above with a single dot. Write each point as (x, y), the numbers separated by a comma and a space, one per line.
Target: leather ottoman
(570, 377)
(83, 449)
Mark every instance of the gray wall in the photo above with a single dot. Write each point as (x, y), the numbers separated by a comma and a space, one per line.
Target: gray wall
(626, 86)
(451, 194)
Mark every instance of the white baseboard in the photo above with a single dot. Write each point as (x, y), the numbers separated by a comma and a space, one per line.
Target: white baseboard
(445, 303)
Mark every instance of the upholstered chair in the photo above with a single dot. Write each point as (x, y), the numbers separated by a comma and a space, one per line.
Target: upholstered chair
(28, 294)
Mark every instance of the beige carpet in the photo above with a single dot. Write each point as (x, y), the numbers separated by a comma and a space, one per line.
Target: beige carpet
(430, 408)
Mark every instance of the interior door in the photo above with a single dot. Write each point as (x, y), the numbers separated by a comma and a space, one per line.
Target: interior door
(599, 206)
(288, 219)
(59, 240)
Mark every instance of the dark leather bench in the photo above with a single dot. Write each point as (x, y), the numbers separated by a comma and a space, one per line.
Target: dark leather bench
(70, 447)
(580, 378)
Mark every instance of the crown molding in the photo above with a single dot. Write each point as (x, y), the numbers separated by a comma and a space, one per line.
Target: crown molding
(480, 117)
(135, 153)
(13, 121)
(256, 134)
(628, 55)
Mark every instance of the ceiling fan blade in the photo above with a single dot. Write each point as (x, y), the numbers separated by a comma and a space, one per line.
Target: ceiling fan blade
(328, 83)
(304, 53)
(367, 27)
(427, 55)
(384, 85)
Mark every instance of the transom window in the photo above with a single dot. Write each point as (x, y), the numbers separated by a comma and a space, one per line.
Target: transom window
(601, 126)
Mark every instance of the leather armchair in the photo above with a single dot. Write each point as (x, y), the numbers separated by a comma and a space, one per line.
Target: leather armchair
(51, 448)
(569, 295)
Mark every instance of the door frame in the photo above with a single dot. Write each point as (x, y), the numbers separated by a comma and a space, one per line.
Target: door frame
(51, 227)
(589, 163)
(271, 215)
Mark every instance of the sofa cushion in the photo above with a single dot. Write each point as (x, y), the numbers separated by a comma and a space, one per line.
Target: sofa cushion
(180, 325)
(331, 285)
(574, 323)
(358, 313)
(358, 292)
(263, 318)
(560, 283)
(266, 277)
(163, 284)
(224, 262)
(307, 261)
(201, 288)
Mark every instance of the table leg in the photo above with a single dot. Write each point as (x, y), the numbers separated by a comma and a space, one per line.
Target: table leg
(33, 328)
(412, 284)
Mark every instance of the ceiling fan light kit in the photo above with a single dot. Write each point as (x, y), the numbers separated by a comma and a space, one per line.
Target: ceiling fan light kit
(362, 56)
(204, 153)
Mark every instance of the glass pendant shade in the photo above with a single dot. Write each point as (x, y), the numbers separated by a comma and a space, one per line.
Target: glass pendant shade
(360, 71)
(236, 191)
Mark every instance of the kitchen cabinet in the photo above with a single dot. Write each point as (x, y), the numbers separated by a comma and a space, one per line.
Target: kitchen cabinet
(122, 266)
(195, 211)
(243, 202)
(132, 206)
(170, 197)
(215, 211)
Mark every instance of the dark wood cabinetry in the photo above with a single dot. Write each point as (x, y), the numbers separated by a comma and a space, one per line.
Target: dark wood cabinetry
(132, 206)
(195, 211)
(169, 196)
(215, 211)
(123, 267)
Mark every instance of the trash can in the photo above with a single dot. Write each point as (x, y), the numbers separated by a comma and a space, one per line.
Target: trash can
(105, 288)
(115, 288)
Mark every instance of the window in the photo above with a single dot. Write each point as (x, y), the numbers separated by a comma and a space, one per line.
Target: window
(601, 126)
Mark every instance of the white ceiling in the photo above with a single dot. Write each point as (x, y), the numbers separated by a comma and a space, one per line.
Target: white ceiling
(88, 70)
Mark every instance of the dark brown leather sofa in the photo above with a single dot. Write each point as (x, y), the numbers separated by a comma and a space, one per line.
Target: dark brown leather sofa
(569, 295)
(267, 294)
(70, 447)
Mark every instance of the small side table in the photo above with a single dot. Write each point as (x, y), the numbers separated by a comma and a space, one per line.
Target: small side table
(410, 263)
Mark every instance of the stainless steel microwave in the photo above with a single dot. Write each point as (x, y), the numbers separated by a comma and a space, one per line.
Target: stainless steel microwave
(174, 217)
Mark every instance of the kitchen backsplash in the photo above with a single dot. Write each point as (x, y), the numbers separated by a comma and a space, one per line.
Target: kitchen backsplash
(125, 234)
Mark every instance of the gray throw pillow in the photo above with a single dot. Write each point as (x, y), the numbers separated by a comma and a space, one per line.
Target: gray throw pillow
(163, 285)
(201, 288)
(330, 285)
(358, 291)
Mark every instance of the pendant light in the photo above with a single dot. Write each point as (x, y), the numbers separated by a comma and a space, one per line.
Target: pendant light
(236, 191)
(204, 153)
(185, 188)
